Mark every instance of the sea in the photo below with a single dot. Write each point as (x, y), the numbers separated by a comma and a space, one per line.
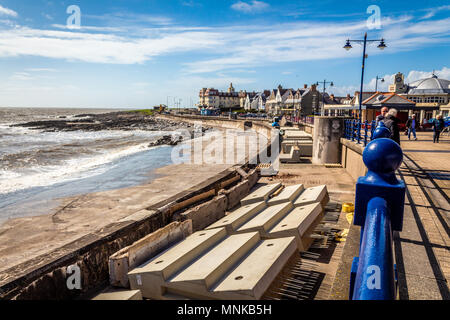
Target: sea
(38, 168)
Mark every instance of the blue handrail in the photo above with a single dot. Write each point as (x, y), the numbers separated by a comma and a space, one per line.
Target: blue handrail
(375, 279)
(379, 205)
(356, 130)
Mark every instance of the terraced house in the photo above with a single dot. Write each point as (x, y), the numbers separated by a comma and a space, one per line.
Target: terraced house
(303, 101)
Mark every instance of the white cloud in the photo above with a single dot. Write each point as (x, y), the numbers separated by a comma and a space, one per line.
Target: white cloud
(252, 7)
(127, 18)
(433, 11)
(230, 48)
(7, 12)
(21, 76)
(99, 48)
(41, 70)
(89, 28)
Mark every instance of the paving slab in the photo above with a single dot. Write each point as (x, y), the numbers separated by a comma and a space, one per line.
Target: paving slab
(266, 219)
(255, 274)
(289, 193)
(234, 219)
(300, 223)
(201, 275)
(311, 195)
(150, 276)
(260, 194)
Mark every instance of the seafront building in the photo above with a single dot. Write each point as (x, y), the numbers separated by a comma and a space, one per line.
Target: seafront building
(213, 98)
(425, 98)
(279, 101)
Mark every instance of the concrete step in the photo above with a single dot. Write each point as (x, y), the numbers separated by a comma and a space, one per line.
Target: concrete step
(311, 195)
(170, 296)
(150, 277)
(289, 194)
(260, 194)
(238, 217)
(251, 278)
(300, 223)
(202, 274)
(120, 295)
(266, 219)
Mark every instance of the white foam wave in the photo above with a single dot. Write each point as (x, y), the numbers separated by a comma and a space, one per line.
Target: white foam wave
(73, 169)
(23, 139)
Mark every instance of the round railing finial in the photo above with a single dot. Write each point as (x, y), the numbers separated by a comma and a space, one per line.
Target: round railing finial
(383, 155)
(381, 131)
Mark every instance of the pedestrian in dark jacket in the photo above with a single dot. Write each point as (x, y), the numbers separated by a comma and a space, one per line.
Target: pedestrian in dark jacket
(412, 124)
(381, 116)
(438, 126)
(391, 122)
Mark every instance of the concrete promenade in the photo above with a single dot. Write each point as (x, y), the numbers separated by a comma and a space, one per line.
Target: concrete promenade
(422, 248)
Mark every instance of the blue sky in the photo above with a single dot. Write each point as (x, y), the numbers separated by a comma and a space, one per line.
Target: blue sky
(139, 53)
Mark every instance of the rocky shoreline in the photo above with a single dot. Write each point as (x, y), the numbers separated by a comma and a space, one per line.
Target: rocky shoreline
(123, 121)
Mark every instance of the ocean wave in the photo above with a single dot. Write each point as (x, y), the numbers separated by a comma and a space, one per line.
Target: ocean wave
(16, 140)
(68, 170)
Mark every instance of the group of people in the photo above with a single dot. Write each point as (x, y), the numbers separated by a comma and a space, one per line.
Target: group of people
(390, 120)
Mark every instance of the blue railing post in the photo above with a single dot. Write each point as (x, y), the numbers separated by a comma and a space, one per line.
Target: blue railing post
(365, 132)
(353, 130)
(347, 129)
(372, 129)
(379, 205)
(359, 132)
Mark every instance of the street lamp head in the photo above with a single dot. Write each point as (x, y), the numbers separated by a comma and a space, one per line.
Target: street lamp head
(382, 45)
(382, 79)
(331, 84)
(348, 46)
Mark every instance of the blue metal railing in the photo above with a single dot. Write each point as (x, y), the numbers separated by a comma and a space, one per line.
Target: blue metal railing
(379, 205)
(354, 128)
(307, 119)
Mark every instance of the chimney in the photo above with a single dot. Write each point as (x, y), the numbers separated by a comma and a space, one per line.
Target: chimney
(332, 96)
(313, 87)
(348, 95)
(305, 86)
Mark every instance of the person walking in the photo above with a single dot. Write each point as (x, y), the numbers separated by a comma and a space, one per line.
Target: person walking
(391, 122)
(438, 126)
(381, 116)
(412, 125)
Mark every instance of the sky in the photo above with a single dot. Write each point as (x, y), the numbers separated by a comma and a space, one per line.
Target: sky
(142, 53)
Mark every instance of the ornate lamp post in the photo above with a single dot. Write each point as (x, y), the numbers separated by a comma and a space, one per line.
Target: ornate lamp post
(348, 46)
(325, 82)
(376, 83)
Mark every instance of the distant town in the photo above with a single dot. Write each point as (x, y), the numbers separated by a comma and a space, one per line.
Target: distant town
(425, 98)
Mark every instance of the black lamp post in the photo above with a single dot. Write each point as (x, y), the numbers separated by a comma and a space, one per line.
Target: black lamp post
(348, 46)
(376, 83)
(325, 82)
